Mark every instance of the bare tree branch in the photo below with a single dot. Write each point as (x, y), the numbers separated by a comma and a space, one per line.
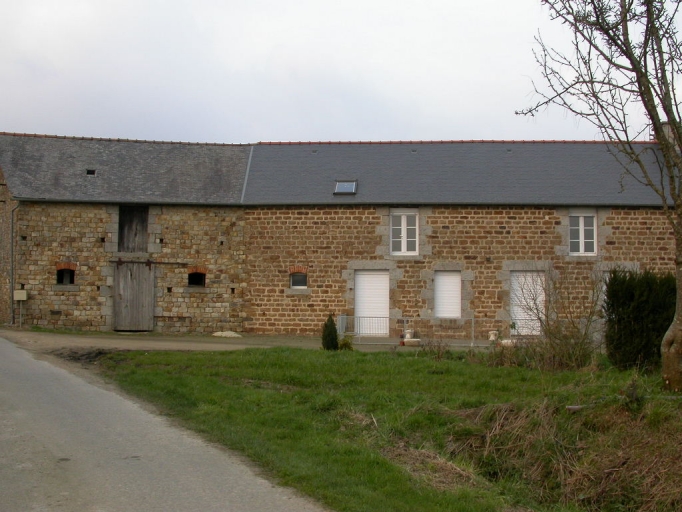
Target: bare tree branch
(625, 59)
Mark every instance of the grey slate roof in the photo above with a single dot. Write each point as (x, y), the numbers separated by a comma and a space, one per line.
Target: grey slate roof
(472, 173)
(411, 173)
(55, 169)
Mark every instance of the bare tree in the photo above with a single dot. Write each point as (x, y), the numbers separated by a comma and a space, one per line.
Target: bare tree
(626, 59)
(557, 322)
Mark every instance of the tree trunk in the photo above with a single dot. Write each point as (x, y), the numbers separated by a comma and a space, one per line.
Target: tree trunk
(671, 347)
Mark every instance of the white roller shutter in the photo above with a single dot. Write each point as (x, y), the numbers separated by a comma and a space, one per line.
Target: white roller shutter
(527, 301)
(448, 294)
(372, 302)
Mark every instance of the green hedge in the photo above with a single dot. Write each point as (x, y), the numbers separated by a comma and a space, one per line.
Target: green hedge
(639, 307)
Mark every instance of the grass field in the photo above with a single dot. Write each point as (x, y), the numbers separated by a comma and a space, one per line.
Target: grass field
(405, 432)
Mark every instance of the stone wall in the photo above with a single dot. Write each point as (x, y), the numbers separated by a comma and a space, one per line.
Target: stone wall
(248, 254)
(6, 205)
(85, 237)
(47, 236)
(322, 240)
(207, 240)
(640, 235)
(484, 243)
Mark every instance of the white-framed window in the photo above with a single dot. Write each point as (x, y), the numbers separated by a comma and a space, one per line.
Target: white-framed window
(582, 229)
(405, 232)
(447, 293)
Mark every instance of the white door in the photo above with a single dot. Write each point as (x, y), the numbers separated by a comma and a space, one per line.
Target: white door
(371, 302)
(527, 302)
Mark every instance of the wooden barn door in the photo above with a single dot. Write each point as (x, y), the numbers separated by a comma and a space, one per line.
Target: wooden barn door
(134, 297)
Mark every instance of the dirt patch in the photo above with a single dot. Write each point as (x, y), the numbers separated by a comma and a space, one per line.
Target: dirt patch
(47, 341)
(85, 356)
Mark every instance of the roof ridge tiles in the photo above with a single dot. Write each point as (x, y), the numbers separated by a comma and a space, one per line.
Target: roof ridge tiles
(474, 141)
(320, 143)
(110, 139)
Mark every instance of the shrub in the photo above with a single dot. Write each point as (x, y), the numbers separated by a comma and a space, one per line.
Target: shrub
(434, 348)
(330, 337)
(639, 308)
(346, 342)
(564, 329)
(544, 353)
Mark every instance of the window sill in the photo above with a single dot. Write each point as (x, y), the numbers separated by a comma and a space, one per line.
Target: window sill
(195, 289)
(405, 256)
(297, 291)
(66, 288)
(449, 321)
(582, 256)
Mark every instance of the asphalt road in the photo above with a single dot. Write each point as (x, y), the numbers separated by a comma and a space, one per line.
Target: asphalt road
(67, 445)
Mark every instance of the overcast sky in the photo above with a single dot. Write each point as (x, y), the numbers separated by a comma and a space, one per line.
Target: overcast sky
(275, 70)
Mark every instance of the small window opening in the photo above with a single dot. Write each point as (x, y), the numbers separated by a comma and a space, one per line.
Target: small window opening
(66, 276)
(103, 239)
(298, 280)
(91, 172)
(23, 238)
(346, 187)
(169, 289)
(232, 290)
(196, 279)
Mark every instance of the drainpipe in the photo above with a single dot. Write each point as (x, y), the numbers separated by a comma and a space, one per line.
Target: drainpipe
(473, 329)
(11, 262)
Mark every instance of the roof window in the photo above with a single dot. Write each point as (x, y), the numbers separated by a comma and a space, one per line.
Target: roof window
(346, 187)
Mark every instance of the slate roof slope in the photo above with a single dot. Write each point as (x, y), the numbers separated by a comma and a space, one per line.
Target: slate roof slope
(471, 173)
(55, 169)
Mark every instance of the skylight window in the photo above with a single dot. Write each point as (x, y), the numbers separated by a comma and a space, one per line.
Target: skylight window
(346, 187)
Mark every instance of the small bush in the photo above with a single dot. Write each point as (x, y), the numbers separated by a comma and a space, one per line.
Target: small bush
(633, 400)
(438, 349)
(346, 342)
(330, 336)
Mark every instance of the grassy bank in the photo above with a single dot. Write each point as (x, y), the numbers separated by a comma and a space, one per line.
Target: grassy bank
(405, 432)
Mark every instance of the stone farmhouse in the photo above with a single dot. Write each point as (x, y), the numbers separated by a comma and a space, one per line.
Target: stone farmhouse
(109, 234)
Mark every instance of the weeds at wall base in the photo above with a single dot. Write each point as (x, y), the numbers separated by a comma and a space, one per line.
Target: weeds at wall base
(540, 353)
